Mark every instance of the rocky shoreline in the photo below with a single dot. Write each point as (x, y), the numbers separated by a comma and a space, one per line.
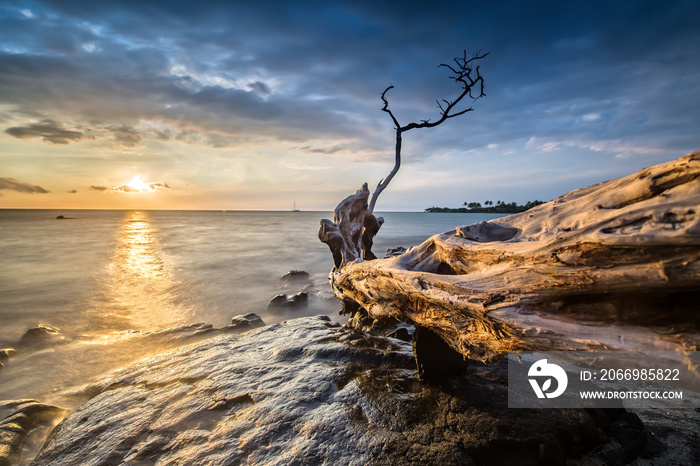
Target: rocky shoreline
(309, 391)
(417, 376)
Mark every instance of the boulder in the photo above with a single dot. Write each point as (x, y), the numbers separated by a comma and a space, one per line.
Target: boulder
(296, 277)
(22, 423)
(246, 322)
(306, 391)
(6, 353)
(285, 302)
(41, 336)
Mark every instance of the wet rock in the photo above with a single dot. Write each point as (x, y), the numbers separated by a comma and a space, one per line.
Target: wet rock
(283, 301)
(308, 392)
(634, 438)
(24, 422)
(294, 277)
(6, 353)
(183, 331)
(246, 322)
(41, 336)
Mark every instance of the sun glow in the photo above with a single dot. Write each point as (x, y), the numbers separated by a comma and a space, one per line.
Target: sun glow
(138, 184)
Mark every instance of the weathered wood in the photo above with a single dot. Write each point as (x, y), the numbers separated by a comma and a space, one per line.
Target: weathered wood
(350, 235)
(616, 264)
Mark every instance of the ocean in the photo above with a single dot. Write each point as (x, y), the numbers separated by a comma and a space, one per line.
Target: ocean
(111, 281)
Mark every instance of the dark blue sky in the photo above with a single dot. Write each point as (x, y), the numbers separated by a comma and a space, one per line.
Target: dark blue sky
(249, 105)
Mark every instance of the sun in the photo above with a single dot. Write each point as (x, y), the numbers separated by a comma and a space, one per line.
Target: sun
(138, 184)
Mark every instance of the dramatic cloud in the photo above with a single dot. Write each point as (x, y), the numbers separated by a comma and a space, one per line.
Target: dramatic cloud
(193, 90)
(47, 130)
(19, 186)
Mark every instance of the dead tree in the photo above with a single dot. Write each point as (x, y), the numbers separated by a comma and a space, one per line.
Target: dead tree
(349, 236)
(470, 80)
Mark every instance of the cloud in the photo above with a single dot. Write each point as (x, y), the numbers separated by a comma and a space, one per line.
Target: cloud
(125, 136)
(72, 191)
(125, 188)
(591, 116)
(322, 150)
(48, 130)
(296, 166)
(246, 78)
(19, 186)
(260, 87)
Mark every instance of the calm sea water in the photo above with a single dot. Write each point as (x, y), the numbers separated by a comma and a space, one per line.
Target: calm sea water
(108, 278)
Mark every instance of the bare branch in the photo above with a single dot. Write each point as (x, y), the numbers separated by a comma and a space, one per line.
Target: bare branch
(471, 82)
(386, 106)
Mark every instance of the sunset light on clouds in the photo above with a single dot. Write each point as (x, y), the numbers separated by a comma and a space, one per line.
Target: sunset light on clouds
(235, 105)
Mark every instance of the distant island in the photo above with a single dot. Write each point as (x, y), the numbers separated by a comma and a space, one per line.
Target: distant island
(488, 208)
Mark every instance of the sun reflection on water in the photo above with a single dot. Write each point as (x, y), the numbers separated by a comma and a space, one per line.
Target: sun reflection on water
(139, 294)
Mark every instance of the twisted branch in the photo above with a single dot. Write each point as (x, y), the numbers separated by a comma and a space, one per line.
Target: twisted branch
(470, 79)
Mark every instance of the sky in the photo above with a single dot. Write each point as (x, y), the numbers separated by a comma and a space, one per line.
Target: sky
(260, 105)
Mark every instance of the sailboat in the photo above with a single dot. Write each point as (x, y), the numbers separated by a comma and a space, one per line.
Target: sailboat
(294, 208)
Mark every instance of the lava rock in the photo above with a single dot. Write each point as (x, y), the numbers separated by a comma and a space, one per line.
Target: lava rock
(6, 353)
(41, 336)
(21, 420)
(247, 322)
(296, 277)
(283, 301)
(306, 392)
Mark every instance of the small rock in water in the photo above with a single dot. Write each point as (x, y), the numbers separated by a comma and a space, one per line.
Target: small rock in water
(40, 336)
(296, 276)
(6, 353)
(247, 322)
(282, 301)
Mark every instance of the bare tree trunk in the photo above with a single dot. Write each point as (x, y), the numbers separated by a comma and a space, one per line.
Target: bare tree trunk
(615, 265)
(351, 233)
